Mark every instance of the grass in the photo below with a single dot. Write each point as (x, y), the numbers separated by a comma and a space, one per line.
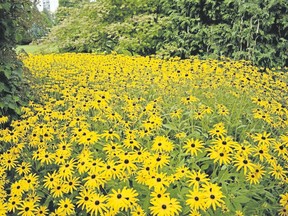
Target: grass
(36, 49)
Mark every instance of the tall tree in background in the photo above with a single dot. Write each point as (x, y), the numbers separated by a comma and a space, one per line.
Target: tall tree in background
(254, 30)
(71, 3)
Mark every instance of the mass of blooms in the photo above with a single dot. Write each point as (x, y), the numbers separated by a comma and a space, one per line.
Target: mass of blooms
(115, 135)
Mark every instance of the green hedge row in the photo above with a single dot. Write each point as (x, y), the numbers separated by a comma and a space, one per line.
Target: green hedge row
(255, 30)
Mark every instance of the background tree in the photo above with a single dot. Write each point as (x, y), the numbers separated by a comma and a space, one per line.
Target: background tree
(254, 30)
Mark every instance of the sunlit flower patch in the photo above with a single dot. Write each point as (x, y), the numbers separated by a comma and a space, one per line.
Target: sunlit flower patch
(116, 135)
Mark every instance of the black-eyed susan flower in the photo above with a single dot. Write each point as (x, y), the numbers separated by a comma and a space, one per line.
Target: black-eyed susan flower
(189, 99)
(280, 148)
(165, 206)
(283, 211)
(72, 183)
(176, 113)
(84, 197)
(218, 130)
(45, 157)
(24, 168)
(278, 172)
(244, 148)
(193, 146)
(67, 169)
(263, 138)
(9, 161)
(158, 181)
(213, 195)
(196, 179)
(27, 208)
(58, 189)
(32, 181)
(222, 110)
(220, 155)
(239, 213)
(162, 144)
(194, 213)
(131, 143)
(66, 206)
(283, 199)
(245, 163)
(19, 187)
(138, 211)
(3, 119)
(159, 160)
(253, 178)
(97, 204)
(196, 200)
(41, 211)
(51, 179)
(94, 180)
(13, 203)
(99, 122)
(224, 143)
(122, 199)
(110, 135)
(127, 163)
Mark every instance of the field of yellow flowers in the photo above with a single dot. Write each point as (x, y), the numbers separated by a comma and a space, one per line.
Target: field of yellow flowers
(116, 135)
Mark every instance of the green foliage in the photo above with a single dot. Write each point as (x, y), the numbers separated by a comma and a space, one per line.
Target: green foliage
(241, 29)
(14, 16)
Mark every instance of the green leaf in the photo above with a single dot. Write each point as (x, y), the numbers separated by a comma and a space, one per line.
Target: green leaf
(2, 86)
(242, 199)
(170, 127)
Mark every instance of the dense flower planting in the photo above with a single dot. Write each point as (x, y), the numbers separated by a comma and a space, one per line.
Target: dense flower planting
(116, 135)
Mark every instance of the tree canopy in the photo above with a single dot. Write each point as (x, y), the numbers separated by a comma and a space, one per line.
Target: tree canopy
(241, 29)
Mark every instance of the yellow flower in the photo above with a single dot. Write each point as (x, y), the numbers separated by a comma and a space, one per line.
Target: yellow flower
(122, 199)
(278, 172)
(162, 144)
(158, 181)
(213, 195)
(24, 168)
(165, 206)
(197, 179)
(263, 138)
(66, 206)
(220, 155)
(196, 200)
(41, 211)
(110, 135)
(193, 146)
(3, 119)
(84, 197)
(27, 208)
(284, 199)
(245, 163)
(97, 205)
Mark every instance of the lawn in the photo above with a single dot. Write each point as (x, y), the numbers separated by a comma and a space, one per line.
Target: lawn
(34, 49)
